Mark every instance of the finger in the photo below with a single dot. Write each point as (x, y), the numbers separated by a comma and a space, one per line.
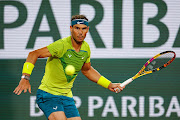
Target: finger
(19, 92)
(25, 90)
(111, 89)
(14, 90)
(121, 88)
(117, 90)
(29, 89)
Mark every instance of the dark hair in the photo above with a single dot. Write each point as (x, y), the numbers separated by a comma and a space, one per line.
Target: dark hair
(78, 17)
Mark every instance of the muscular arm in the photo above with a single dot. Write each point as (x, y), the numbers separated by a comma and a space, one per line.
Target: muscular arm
(90, 72)
(32, 58)
(39, 53)
(94, 76)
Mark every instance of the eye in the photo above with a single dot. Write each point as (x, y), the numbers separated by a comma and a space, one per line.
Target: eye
(84, 28)
(77, 28)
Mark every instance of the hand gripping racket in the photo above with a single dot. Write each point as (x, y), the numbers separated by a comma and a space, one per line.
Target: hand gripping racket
(156, 63)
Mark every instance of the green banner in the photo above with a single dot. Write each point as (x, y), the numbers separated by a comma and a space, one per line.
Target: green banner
(154, 96)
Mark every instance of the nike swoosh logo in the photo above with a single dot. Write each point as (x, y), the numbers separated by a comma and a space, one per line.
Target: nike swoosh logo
(80, 22)
(55, 108)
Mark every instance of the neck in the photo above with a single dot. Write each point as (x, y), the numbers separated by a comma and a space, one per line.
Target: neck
(76, 45)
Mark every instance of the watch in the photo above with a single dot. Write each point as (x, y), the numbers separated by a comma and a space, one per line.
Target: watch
(25, 77)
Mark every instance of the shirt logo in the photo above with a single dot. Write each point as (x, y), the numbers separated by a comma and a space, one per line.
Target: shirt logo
(55, 108)
(69, 55)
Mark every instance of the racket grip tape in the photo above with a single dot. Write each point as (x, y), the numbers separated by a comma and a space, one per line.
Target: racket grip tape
(123, 84)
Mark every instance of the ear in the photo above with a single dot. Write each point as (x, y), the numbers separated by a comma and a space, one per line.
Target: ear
(71, 28)
(88, 28)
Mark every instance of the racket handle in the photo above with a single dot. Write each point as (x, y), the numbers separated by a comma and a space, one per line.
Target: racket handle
(123, 84)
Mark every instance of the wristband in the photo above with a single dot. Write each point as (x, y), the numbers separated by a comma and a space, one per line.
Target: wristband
(103, 82)
(27, 68)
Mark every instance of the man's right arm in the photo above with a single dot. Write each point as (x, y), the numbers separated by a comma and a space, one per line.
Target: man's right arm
(39, 53)
(32, 58)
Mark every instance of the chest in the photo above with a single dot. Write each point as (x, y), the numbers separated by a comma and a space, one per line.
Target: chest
(77, 59)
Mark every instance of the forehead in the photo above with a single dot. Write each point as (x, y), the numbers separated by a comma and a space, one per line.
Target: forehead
(80, 25)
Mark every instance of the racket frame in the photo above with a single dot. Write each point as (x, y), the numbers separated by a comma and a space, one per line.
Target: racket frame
(142, 72)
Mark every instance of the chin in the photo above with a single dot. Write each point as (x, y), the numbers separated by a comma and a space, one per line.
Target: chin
(81, 39)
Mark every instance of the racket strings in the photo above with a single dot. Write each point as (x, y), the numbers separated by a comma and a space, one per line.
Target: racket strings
(162, 60)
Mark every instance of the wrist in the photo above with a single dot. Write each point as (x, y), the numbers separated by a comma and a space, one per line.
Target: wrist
(25, 77)
(110, 85)
(104, 82)
(28, 68)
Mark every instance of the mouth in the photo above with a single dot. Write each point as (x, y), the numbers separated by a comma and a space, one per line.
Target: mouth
(80, 37)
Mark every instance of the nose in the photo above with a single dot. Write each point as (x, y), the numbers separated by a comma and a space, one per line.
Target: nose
(80, 31)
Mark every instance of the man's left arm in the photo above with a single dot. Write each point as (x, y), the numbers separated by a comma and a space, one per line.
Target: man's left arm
(96, 77)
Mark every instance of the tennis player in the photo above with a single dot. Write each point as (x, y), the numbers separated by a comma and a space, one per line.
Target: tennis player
(54, 95)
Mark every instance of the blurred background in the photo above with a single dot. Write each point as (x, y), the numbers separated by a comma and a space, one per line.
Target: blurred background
(123, 35)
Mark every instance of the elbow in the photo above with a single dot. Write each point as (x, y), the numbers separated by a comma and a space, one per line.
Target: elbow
(33, 54)
(84, 72)
(86, 68)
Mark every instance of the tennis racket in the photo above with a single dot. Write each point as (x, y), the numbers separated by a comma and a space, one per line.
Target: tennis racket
(156, 63)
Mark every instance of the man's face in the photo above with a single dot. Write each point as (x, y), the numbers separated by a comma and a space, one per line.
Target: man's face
(78, 32)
